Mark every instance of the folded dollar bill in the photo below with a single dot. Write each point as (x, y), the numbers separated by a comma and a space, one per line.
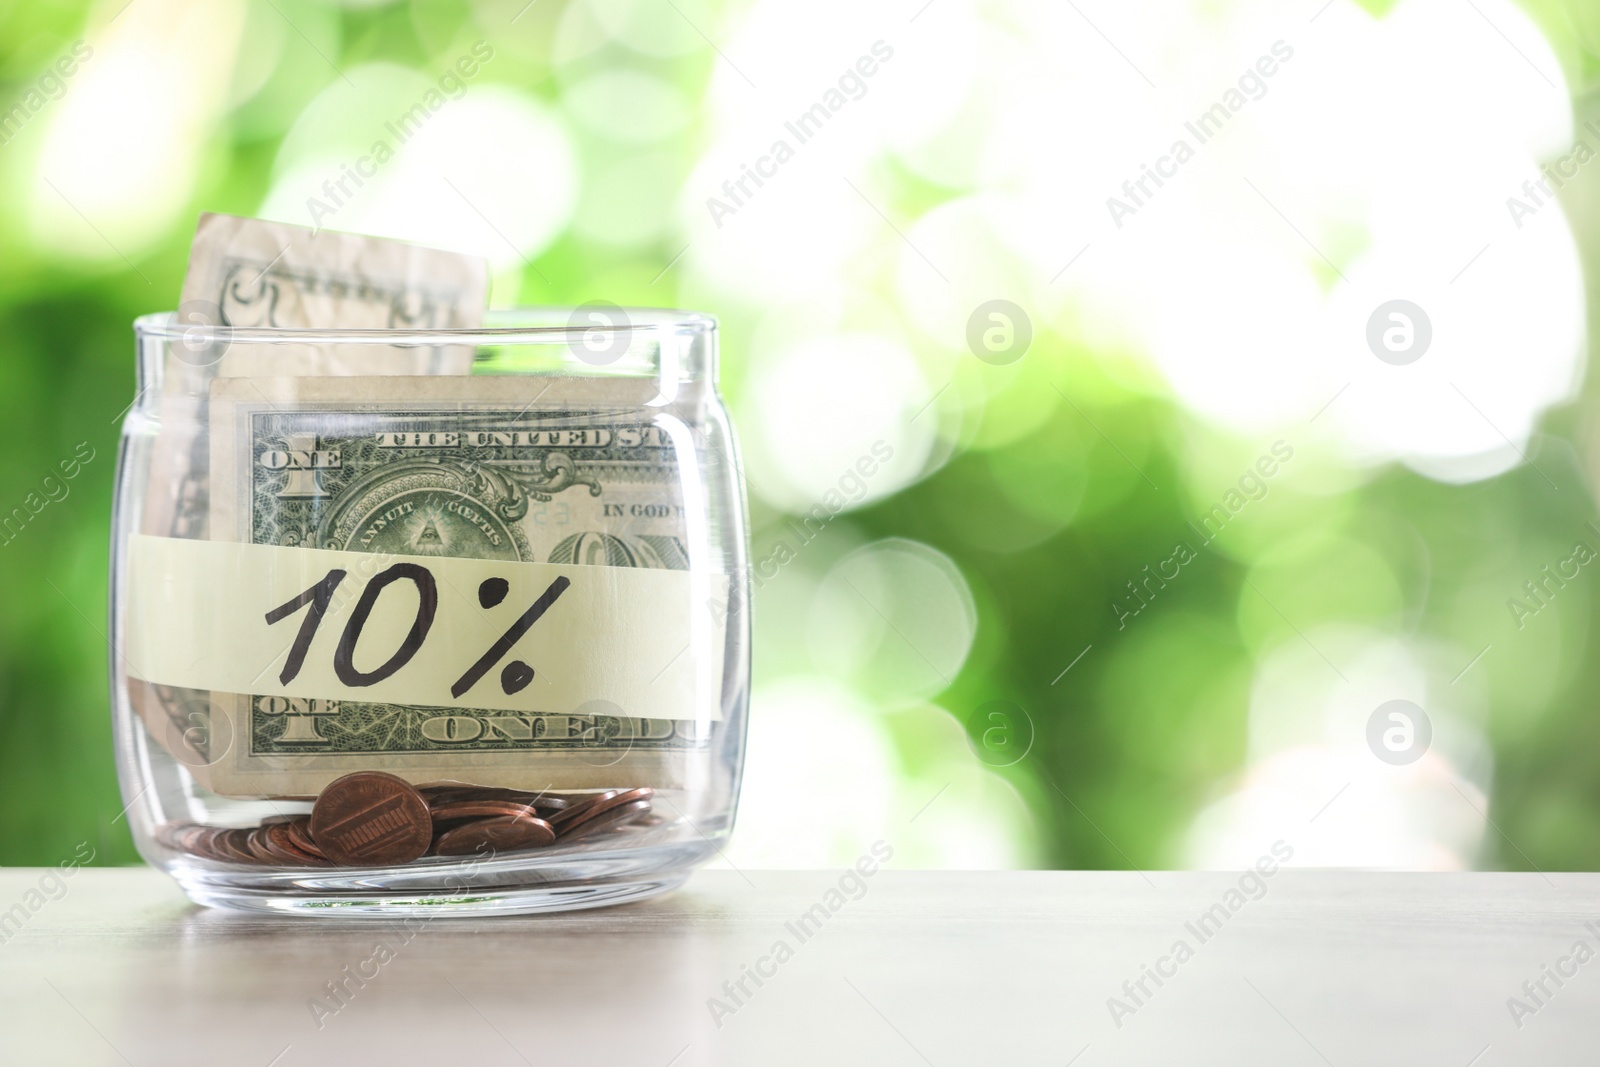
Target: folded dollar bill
(247, 274)
(397, 476)
(532, 534)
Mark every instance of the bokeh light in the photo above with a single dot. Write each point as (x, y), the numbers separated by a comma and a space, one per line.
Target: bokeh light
(1196, 532)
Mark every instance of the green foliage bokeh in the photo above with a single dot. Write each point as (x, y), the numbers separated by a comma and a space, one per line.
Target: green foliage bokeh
(1132, 742)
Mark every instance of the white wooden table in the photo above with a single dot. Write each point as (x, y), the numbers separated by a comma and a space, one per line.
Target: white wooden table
(925, 968)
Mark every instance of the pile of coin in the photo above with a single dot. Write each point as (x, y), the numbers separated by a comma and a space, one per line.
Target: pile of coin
(374, 819)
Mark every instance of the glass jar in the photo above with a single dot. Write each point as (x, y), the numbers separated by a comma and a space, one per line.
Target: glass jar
(430, 621)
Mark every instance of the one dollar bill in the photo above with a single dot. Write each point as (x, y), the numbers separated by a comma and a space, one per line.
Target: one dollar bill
(551, 470)
(252, 274)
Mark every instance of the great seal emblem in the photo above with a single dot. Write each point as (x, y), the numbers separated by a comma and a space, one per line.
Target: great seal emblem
(431, 508)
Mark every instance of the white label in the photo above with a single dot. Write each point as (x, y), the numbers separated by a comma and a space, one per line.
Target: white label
(425, 631)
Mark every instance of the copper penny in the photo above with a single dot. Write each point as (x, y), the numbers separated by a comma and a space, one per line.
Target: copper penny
(277, 856)
(203, 842)
(229, 845)
(578, 808)
(500, 834)
(546, 801)
(598, 805)
(450, 794)
(256, 843)
(606, 820)
(440, 794)
(280, 844)
(477, 809)
(179, 836)
(299, 834)
(198, 840)
(371, 819)
(555, 801)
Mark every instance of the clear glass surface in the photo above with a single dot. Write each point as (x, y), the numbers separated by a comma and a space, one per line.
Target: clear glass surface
(657, 373)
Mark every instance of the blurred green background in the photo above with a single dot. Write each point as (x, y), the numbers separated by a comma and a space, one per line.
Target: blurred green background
(969, 656)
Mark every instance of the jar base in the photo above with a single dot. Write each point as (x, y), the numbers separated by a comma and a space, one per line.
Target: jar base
(509, 885)
(526, 901)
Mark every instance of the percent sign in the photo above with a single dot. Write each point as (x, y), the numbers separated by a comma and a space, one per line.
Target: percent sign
(513, 679)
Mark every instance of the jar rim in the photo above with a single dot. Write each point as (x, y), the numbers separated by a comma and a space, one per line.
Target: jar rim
(502, 326)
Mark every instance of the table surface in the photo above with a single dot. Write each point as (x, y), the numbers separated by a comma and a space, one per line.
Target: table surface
(913, 968)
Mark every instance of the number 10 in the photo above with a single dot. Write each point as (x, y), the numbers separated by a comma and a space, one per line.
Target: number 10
(321, 594)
